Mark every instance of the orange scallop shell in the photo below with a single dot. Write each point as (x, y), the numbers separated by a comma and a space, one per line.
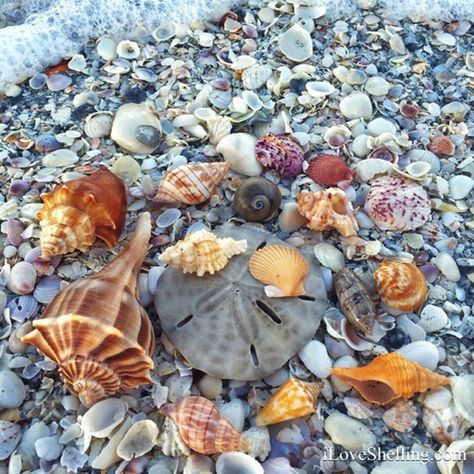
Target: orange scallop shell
(191, 184)
(401, 285)
(442, 145)
(388, 377)
(202, 427)
(280, 266)
(78, 211)
(293, 399)
(329, 170)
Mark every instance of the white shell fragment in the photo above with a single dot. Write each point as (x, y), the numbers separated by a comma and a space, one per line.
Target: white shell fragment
(460, 186)
(348, 432)
(10, 435)
(447, 266)
(356, 106)
(329, 256)
(128, 49)
(239, 150)
(372, 167)
(462, 394)
(296, 44)
(140, 439)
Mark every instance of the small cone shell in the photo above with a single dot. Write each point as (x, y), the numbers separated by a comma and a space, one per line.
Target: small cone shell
(329, 170)
(76, 212)
(202, 427)
(280, 266)
(293, 399)
(191, 184)
(95, 329)
(202, 252)
(388, 377)
(401, 285)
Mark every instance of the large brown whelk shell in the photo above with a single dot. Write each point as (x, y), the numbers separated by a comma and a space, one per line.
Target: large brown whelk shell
(95, 329)
(78, 211)
(249, 335)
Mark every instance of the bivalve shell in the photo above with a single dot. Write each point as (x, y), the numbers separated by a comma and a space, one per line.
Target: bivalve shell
(348, 432)
(329, 256)
(296, 44)
(240, 463)
(316, 359)
(423, 352)
(238, 149)
(356, 105)
(22, 278)
(433, 318)
(128, 49)
(329, 170)
(462, 395)
(10, 436)
(98, 125)
(138, 440)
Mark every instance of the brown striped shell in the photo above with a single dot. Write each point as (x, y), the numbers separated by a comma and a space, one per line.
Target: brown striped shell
(202, 427)
(78, 211)
(191, 184)
(95, 329)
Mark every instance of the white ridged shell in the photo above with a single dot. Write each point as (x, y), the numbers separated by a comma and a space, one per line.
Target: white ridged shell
(316, 359)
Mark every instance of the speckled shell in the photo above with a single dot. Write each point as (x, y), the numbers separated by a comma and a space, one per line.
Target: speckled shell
(326, 210)
(78, 211)
(388, 377)
(401, 285)
(395, 203)
(95, 329)
(202, 252)
(191, 184)
(280, 153)
(441, 145)
(355, 301)
(329, 170)
(293, 399)
(280, 266)
(202, 427)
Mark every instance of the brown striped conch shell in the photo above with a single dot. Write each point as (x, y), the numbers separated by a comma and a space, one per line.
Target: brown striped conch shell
(202, 252)
(95, 329)
(191, 184)
(326, 210)
(388, 377)
(78, 211)
(202, 427)
(293, 399)
(281, 267)
(401, 285)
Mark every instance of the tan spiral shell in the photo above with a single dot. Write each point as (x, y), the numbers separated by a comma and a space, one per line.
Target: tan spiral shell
(95, 329)
(202, 427)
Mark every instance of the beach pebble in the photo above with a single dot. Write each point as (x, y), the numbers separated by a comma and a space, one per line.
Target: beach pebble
(12, 390)
(356, 105)
(447, 266)
(296, 44)
(460, 186)
(48, 448)
(316, 359)
(239, 150)
(22, 278)
(10, 436)
(433, 318)
(423, 352)
(349, 433)
(290, 218)
(139, 439)
(377, 86)
(329, 256)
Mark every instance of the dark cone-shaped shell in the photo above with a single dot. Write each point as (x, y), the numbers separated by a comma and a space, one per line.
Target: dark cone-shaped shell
(95, 329)
(329, 170)
(76, 212)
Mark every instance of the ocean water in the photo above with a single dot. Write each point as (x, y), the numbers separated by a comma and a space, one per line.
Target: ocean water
(42, 32)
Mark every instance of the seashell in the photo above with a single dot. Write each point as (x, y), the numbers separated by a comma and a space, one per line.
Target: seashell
(379, 126)
(360, 145)
(395, 203)
(279, 465)
(60, 158)
(171, 442)
(202, 252)
(14, 231)
(12, 390)
(329, 256)
(442, 145)
(417, 170)
(355, 301)
(330, 170)
(191, 184)
(371, 167)
(127, 169)
(257, 200)
(356, 105)
(296, 44)
(401, 285)
(258, 439)
(462, 396)
(336, 136)
(460, 186)
(282, 267)
(202, 428)
(10, 436)
(280, 153)
(168, 218)
(218, 127)
(388, 377)
(409, 110)
(165, 32)
(256, 76)
(237, 463)
(326, 210)
(423, 352)
(316, 359)
(113, 338)
(22, 307)
(197, 464)
(323, 89)
(128, 49)
(138, 440)
(290, 219)
(447, 266)
(402, 417)
(46, 143)
(98, 125)
(377, 86)
(136, 128)
(106, 48)
(58, 82)
(351, 434)
(433, 318)
(239, 150)
(76, 212)
(456, 458)
(445, 425)
(438, 398)
(47, 288)
(235, 411)
(22, 278)
(37, 81)
(427, 157)
(294, 399)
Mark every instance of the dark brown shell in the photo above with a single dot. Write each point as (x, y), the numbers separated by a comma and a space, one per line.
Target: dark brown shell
(257, 200)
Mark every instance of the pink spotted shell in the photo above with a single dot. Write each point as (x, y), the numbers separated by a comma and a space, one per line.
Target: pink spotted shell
(398, 204)
(280, 153)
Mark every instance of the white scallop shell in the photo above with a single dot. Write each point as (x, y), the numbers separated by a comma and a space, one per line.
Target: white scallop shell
(316, 359)
(218, 127)
(433, 318)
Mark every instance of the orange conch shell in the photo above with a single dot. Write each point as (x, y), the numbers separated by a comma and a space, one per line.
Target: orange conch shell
(282, 267)
(202, 252)
(78, 211)
(293, 399)
(401, 285)
(191, 184)
(95, 329)
(388, 377)
(202, 427)
(330, 209)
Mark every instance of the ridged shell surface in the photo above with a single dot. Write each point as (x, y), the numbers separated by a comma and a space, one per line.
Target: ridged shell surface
(329, 170)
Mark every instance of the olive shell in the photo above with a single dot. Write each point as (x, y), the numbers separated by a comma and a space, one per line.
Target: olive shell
(257, 200)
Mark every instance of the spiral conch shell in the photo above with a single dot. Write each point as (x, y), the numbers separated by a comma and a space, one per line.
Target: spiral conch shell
(388, 377)
(401, 285)
(78, 211)
(293, 399)
(95, 329)
(329, 209)
(202, 427)
(202, 252)
(191, 184)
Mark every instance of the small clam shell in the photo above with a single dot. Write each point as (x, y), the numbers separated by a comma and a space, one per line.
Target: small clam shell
(462, 395)
(47, 288)
(316, 359)
(336, 136)
(128, 49)
(22, 278)
(437, 398)
(98, 125)
(106, 48)
(320, 89)
(423, 352)
(447, 266)
(329, 256)
(348, 432)
(355, 106)
(22, 307)
(296, 44)
(418, 169)
(234, 462)
(433, 318)
(138, 440)
(256, 76)
(12, 390)
(164, 33)
(10, 435)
